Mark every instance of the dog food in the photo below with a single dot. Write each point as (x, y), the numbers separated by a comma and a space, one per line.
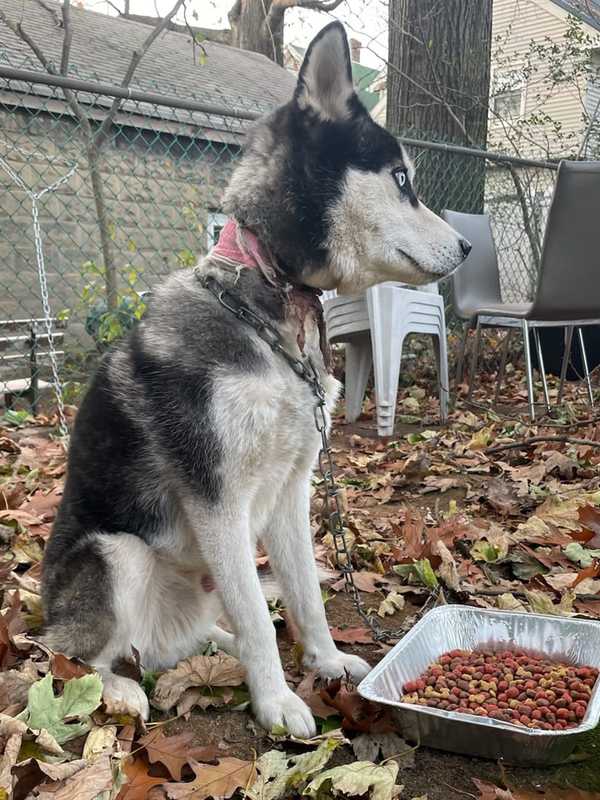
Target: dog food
(509, 685)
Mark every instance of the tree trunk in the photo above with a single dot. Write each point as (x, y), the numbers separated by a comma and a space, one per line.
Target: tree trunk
(438, 89)
(110, 270)
(253, 29)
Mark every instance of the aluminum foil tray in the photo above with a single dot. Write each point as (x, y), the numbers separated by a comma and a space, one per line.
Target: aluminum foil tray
(452, 627)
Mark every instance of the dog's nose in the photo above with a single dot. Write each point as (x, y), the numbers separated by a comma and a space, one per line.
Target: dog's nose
(466, 247)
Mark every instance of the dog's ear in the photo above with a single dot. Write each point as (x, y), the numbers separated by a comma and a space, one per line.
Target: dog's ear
(325, 79)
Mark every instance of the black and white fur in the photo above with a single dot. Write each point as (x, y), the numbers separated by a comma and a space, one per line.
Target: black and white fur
(195, 440)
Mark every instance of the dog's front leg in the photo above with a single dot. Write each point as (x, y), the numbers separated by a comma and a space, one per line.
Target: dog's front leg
(226, 547)
(289, 543)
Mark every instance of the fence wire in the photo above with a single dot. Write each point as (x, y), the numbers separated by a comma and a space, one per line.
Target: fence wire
(163, 171)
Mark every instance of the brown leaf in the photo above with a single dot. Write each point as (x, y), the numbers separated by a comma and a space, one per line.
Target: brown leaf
(589, 572)
(14, 685)
(352, 635)
(218, 670)
(414, 525)
(365, 581)
(218, 781)
(86, 784)
(502, 497)
(312, 697)
(65, 669)
(139, 782)
(589, 516)
(174, 752)
(358, 714)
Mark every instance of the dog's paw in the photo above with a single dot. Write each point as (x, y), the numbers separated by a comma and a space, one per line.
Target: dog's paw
(341, 664)
(124, 696)
(287, 710)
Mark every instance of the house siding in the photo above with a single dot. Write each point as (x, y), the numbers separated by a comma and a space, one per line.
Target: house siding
(515, 24)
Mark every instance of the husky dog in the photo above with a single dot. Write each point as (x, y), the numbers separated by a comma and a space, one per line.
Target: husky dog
(196, 439)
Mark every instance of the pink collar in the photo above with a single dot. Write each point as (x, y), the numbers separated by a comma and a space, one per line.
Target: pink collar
(241, 246)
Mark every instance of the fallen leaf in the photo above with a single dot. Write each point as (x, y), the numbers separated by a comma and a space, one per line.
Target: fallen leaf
(393, 602)
(174, 752)
(100, 742)
(65, 668)
(15, 684)
(312, 697)
(541, 603)
(488, 791)
(218, 781)
(81, 696)
(357, 779)
(88, 783)
(447, 569)
(580, 555)
(501, 496)
(377, 746)
(508, 602)
(279, 772)
(139, 782)
(352, 635)
(414, 525)
(209, 671)
(364, 581)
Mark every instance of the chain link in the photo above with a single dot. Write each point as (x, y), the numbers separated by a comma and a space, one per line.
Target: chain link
(35, 197)
(306, 370)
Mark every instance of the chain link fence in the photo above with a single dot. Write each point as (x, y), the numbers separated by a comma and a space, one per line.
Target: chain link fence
(148, 201)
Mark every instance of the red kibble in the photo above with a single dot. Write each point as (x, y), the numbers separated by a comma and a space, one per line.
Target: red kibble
(512, 686)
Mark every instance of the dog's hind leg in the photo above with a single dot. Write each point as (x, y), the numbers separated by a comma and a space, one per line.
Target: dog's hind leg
(81, 614)
(289, 544)
(228, 549)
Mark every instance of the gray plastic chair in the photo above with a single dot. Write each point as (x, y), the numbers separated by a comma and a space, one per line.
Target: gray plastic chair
(568, 287)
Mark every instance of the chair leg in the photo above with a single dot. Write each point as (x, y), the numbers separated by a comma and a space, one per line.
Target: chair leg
(387, 338)
(586, 369)
(528, 369)
(441, 358)
(565, 361)
(540, 356)
(502, 369)
(474, 358)
(359, 360)
(460, 358)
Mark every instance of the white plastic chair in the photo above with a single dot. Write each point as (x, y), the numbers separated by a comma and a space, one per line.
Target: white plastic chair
(373, 327)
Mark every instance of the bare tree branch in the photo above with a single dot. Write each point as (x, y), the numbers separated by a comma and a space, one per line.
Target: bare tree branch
(220, 35)
(136, 58)
(67, 37)
(52, 11)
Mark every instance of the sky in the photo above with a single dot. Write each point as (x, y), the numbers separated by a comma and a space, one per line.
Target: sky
(364, 19)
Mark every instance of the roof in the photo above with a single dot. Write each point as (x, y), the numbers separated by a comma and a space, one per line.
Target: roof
(362, 76)
(101, 50)
(586, 10)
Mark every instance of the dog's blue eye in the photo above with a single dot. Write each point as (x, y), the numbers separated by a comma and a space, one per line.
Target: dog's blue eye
(400, 176)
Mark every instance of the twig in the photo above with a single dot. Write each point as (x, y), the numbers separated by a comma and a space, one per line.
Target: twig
(537, 439)
(136, 57)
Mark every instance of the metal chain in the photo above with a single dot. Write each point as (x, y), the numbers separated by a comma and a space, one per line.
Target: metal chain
(306, 370)
(42, 277)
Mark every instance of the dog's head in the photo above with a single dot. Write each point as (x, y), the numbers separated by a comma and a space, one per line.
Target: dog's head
(330, 191)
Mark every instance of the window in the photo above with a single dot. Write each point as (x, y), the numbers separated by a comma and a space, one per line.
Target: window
(508, 95)
(216, 223)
